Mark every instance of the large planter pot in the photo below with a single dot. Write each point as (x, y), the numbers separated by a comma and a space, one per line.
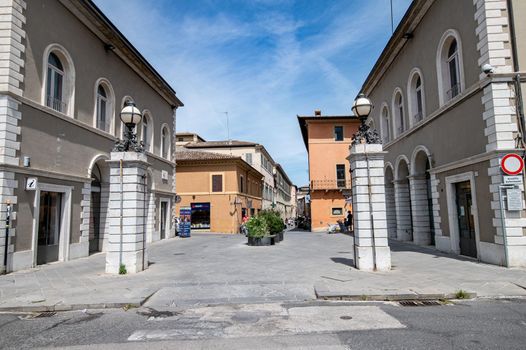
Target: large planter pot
(281, 235)
(260, 241)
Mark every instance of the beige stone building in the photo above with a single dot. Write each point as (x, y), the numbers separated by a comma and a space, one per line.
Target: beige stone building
(66, 73)
(220, 189)
(277, 186)
(448, 104)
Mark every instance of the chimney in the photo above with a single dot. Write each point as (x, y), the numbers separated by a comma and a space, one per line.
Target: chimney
(317, 113)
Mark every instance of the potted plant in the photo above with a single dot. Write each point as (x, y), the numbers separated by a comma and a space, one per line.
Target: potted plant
(274, 222)
(258, 231)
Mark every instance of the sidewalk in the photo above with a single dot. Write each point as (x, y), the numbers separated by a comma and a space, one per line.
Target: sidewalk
(425, 273)
(222, 269)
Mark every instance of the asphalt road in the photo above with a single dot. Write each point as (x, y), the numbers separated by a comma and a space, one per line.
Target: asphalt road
(481, 324)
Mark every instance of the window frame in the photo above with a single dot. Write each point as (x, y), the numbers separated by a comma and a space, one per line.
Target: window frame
(335, 133)
(212, 175)
(166, 142)
(443, 69)
(68, 78)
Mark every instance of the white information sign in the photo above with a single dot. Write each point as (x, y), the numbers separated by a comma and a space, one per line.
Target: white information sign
(514, 199)
(513, 180)
(31, 184)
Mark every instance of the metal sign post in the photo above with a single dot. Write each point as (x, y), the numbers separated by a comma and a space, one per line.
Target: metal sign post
(7, 223)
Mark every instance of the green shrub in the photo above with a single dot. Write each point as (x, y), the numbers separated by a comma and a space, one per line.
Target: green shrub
(273, 220)
(257, 227)
(122, 269)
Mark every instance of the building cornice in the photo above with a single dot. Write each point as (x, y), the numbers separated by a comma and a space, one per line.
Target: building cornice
(93, 18)
(401, 35)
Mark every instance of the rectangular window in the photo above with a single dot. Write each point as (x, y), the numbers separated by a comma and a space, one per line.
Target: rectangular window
(217, 183)
(337, 211)
(338, 133)
(248, 158)
(241, 184)
(340, 175)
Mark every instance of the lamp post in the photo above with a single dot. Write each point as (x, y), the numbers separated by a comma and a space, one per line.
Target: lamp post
(361, 108)
(131, 116)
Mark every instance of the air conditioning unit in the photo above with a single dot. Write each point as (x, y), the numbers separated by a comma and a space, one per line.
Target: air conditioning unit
(164, 175)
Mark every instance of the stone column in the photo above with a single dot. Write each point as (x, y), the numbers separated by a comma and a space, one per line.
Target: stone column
(127, 208)
(420, 210)
(403, 211)
(370, 222)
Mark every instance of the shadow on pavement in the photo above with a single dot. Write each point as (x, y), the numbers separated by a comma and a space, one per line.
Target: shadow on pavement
(397, 246)
(344, 261)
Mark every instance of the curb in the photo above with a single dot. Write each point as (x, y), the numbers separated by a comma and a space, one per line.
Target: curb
(71, 307)
(390, 296)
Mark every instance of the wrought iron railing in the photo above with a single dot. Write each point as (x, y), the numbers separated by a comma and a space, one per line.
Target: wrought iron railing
(454, 91)
(56, 104)
(418, 117)
(330, 184)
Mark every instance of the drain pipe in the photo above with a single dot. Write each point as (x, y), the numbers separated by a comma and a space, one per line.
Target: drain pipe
(145, 179)
(121, 205)
(371, 218)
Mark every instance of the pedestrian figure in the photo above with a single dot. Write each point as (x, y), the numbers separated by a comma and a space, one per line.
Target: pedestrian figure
(349, 222)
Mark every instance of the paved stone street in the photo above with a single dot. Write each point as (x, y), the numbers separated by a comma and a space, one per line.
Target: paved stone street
(218, 269)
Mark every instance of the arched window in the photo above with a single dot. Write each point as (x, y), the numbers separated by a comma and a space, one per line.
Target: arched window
(102, 109)
(454, 70)
(165, 142)
(415, 89)
(55, 84)
(385, 125)
(399, 112)
(449, 66)
(58, 88)
(104, 106)
(147, 131)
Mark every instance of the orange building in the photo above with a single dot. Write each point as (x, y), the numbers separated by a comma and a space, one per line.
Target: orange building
(327, 139)
(220, 189)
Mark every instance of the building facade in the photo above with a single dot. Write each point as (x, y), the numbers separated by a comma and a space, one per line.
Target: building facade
(446, 119)
(327, 139)
(67, 71)
(285, 202)
(275, 195)
(220, 189)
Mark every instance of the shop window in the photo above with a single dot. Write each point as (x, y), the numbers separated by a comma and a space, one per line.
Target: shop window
(337, 211)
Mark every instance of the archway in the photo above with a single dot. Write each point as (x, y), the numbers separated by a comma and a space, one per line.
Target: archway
(404, 228)
(420, 188)
(390, 202)
(99, 206)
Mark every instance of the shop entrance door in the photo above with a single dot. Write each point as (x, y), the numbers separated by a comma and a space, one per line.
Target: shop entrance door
(49, 221)
(164, 212)
(468, 244)
(94, 229)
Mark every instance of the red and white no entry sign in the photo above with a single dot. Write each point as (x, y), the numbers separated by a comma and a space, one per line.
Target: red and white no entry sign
(512, 164)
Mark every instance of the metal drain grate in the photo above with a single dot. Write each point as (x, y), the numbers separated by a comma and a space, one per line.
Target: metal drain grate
(420, 303)
(45, 314)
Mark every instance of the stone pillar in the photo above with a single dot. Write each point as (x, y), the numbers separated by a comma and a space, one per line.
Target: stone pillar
(420, 210)
(403, 211)
(126, 239)
(370, 222)
(391, 210)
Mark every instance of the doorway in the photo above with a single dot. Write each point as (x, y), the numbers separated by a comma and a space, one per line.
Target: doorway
(200, 216)
(466, 225)
(95, 217)
(163, 221)
(49, 224)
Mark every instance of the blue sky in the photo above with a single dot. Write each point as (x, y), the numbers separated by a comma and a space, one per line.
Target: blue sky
(263, 61)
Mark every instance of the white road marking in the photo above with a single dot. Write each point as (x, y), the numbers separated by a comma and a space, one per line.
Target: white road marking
(271, 320)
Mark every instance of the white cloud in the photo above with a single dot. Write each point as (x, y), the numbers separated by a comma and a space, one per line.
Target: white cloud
(262, 70)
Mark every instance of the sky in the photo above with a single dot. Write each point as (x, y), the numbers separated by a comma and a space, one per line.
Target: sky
(262, 61)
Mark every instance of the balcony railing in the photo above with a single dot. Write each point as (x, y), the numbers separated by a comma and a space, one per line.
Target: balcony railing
(401, 129)
(56, 104)
(454, 91)
(330, 184)
(418, 117)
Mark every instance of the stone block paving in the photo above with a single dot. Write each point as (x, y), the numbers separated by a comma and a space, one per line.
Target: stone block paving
(221, 269)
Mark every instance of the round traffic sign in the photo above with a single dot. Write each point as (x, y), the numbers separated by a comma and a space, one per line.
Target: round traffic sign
(512, 164)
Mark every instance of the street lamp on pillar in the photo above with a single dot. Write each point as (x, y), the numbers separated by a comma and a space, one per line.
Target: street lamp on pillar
(361, 108)
(131, 116)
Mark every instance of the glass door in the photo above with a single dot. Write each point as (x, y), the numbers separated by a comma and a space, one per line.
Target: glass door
(50, 214)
